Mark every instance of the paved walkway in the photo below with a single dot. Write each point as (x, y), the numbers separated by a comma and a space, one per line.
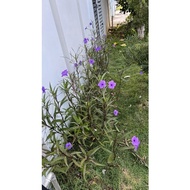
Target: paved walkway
(119, 18)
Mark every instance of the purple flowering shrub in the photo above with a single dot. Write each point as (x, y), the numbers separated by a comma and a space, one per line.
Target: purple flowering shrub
(80, 110)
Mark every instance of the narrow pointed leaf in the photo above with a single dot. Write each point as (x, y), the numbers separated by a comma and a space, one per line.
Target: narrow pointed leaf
(110, 158)
(98, 164)
(76, 163)
(91, 152)
(84, 172)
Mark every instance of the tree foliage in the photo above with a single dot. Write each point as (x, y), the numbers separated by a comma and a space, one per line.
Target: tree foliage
(138, 11)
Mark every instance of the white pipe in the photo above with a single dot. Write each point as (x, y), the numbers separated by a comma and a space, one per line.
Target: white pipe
(47, 182)
(60, 33)
(51, 179)
(55, 183)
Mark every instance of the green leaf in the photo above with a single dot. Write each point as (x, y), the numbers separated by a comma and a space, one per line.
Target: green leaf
(57, 121)
(126, 148)
(70, 128)
(111, 158)
(84, 171)
(106, 150)
(56, 160)
(61, 170)
(76, 163)
(50, 87)
(49, 121)
(63, 101)
(62, 149)
(82, 162)
(91, 152)
(44, 172)
(65, 160)
(82, 150)
(77, 119)
(78, 154)
(104, 75)
(125, 135)
(98, 164)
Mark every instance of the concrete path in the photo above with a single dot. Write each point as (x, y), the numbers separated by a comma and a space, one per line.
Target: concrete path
(119, 18)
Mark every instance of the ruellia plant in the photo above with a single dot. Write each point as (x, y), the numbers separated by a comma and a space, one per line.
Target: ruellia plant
(81, 116)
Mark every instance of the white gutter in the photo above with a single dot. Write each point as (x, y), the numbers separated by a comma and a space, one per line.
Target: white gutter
(60, 33)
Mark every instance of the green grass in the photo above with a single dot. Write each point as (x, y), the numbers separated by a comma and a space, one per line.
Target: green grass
(133, 111)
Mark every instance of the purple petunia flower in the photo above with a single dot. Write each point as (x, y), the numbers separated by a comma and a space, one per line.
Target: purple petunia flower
(135, 142)
(64, 73)
(102, 84)
(141, 72)
(43, 89)
(98, 48)
(115, 112)
(112, 84)
(68, 146)
(91, 61)
(86, 40)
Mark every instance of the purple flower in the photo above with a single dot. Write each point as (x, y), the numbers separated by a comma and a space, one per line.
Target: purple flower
(91, 61)
(92, 39)
(135, 142)
(102, 84)
(43, 89)
(86, 40)
(141, 72)
(68, 146)
(115, 112)
(64, 73)
(98, 48)
(75, 64)
(112, 84)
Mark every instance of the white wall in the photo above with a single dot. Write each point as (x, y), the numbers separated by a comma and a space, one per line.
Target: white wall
(52, 55)
(63, 29)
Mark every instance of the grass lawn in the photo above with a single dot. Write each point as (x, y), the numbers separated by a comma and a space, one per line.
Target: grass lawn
(133, 112)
